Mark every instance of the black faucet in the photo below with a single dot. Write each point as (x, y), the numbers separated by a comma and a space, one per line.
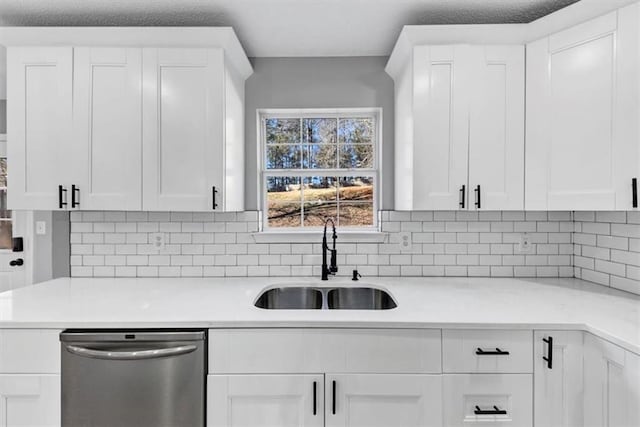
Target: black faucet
(333, 268)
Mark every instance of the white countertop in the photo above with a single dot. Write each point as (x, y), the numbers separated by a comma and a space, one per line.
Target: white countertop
(422, 302)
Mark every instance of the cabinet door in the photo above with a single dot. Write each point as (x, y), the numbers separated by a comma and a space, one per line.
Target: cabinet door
(611, 390)
(383, 400)
(582, 109)
(29, 400)
(108, 128)
(441, 86)
(265, 400)
(183, 129)
(39, 91)
(558, 400)
(488, 400)
(496, 129)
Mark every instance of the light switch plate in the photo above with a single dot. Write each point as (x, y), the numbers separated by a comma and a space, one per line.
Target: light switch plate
(41, 227)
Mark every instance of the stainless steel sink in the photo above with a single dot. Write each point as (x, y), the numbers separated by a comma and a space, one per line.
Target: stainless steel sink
(359, 299)
(291, 298)
(317, 298)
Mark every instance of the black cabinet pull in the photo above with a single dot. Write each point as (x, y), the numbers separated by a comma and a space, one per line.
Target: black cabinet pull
(463, 191)
(61, 203)
(213, 193)
(75, 201)
(496, 352)
(16, 262)
(549, 358)
(494, 411)
(315, 392)
(634, 192)
(477, 191)
(333, 399)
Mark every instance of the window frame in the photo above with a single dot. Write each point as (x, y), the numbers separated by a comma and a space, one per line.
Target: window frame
(301, 113)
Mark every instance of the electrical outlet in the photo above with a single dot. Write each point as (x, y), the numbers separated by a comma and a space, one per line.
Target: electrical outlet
(405, 241)
(157, 240)
(525, 246)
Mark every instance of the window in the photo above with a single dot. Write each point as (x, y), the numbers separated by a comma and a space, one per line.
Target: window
(6, 225)
(319, 164)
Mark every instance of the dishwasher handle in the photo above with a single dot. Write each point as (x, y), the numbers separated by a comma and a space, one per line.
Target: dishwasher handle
(130, 355)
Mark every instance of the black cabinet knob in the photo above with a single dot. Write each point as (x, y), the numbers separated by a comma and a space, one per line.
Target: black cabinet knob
(16, 262)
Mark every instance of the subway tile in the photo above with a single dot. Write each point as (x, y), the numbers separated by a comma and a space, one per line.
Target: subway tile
(613, 242)
(104, 271)
(422, 216)
(610, 267)
(489, 216)
(432, 270)
(191, 271)
(126, 227)
(626, 230)
(596, 228)
(596, 252)
(502, 271)
(623, 284)
(625, 257)
(596, 277)
(411, 226)
(389, 270)
(620, 217)
(212, 271)
(581, 216)
(455, 270)
(478, 271)
(444, 216)
(411, 270)
(433, 226)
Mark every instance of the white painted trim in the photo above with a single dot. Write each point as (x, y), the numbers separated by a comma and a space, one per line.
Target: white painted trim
(316, 237)
(220, 37)
(375, 172)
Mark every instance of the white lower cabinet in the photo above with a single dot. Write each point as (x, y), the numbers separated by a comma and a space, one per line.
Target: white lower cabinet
(487, 400)
(361, 400)
(29, 400)
(331, 400)
(265, 400)
(558, 378)
(611, 385)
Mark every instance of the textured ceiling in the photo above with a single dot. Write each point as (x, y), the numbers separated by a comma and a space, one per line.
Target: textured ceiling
(283, 27)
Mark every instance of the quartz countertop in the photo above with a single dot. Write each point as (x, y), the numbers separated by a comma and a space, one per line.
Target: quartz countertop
(423, 302)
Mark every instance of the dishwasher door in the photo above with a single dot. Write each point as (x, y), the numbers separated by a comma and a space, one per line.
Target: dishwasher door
(133, 378)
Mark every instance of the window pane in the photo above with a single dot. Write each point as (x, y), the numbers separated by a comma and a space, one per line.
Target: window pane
(3, 172)
(356, 156)
(356, 214)
(356, 131)
(321, 156)
(284, 156)
(320, 194)
(4, 212)
(282, 131)
(319, 131)
(283, 189)
(356, 189)
(284, 215)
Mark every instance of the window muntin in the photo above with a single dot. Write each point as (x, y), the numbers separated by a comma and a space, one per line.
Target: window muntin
(317, 166)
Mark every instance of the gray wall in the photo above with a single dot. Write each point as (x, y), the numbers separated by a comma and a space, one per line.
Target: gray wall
(348, 82)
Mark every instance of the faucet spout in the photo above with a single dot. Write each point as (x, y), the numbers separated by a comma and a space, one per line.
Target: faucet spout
(333, 267)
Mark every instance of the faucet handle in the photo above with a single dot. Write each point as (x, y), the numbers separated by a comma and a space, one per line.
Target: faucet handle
(334, 262)
(356, 275)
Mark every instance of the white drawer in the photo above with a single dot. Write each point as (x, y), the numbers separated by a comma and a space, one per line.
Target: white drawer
(469, 351)
(466, 395)
(29, 351)
(264, 351)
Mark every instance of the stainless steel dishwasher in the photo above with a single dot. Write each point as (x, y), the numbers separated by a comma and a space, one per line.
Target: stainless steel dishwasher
(133, 378)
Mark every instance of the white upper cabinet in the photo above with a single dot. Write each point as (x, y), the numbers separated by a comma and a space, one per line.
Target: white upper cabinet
(496, 129)
(39, 125)
(183, 129)
(582, 115)
(107, 89)
(459, 127)
(151, 121)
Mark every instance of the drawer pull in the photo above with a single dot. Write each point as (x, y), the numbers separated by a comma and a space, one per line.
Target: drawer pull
(496, 352)
(549, 358)
(494, 411)
(315, 397)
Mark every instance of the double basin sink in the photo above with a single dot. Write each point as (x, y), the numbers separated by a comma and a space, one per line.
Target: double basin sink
(318, 298)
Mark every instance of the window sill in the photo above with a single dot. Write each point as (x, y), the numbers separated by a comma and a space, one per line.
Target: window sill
(316, 236)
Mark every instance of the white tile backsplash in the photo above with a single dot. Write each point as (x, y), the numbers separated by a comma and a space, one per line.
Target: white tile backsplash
(221, 244)
(602, 247)
(607, 248)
